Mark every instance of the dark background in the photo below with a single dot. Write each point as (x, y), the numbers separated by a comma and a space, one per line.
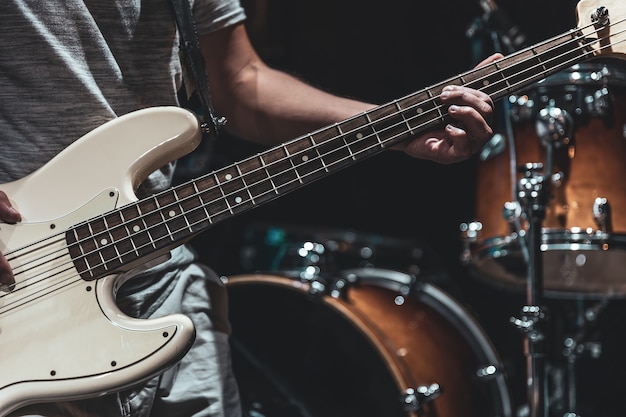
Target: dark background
(377, 52)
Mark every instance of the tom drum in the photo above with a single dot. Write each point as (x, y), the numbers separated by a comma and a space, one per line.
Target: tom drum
(581, 112)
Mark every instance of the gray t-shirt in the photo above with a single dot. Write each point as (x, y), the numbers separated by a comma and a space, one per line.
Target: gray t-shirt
(69, 66)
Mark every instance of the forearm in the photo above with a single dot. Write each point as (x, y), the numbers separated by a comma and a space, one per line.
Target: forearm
(273, 107)
(262, 104)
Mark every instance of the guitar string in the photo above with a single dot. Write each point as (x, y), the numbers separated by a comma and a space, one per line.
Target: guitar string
(69, 268)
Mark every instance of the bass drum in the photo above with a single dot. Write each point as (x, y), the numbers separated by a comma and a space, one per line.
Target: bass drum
(371, 342)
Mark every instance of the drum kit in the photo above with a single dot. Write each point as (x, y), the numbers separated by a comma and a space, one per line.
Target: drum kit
(344, 323)
(555, 231)
(340, 323)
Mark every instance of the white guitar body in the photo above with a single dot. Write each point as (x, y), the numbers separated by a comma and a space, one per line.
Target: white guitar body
(62, 337)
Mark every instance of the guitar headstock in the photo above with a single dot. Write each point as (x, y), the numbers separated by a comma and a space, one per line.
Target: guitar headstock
(604, 20)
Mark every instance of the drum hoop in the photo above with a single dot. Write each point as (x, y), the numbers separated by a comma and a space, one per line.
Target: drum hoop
(446, 305)
(582, 74)
(551, 239)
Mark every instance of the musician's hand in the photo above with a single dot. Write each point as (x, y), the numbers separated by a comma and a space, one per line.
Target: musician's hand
(8, 215)
(472, 113)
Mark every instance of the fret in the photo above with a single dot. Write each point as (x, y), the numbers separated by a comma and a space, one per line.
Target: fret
(91, 257)
(317, 152)
(388, 125)
(110, 242)
(152, 217)
(438, 105)
(558, 53)
(421, 104)
(83, 248)
(245, 184)
(420, 111)
(78, 251)
(184, 217)
(293, 166)
(362, 140)
(256, 179)
(269, 176)
(188, 199)
(226, 177)
(508, 86)
(518, 72)
(305, 161)
(408, 126)
(120, 234)
(103, 242)
(93, 247)
(233, 189)
(331, 150)
(212, 197)
(135, 227)
(161, 209)
(143, 231)
(373, 131)
(280, 168)
(488, 79)
(202, 206)
(344, 140)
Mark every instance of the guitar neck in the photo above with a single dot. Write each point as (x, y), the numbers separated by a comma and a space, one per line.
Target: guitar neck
(138, 230)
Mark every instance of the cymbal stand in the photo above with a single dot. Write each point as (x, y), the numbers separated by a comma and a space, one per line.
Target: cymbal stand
(532, 192)
(579, 343)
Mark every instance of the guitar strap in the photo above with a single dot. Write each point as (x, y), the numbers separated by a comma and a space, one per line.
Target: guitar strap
(193, 61)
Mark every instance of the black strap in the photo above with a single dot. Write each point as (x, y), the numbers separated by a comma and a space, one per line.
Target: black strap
(190, 45)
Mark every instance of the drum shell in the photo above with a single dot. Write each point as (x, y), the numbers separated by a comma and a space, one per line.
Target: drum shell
(356, 353)
(594, 166)
(581, 257)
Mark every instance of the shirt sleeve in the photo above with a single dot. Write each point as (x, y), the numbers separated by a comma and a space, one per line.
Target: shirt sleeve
(211, 15)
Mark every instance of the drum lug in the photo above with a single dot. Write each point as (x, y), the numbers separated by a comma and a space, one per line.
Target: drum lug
(415, 398)
(512, 212)
(316, 287)
(470, 232)
(530, 322)
(554, 126)
(487, 372)
(602, 214)
(338, 288)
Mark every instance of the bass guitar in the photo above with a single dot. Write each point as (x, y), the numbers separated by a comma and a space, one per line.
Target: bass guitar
(62, 336)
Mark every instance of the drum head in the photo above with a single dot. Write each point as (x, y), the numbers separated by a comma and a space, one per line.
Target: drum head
(301, 354)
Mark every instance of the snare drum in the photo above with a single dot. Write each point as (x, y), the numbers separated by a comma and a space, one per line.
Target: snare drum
(371, 342)
(584, 231)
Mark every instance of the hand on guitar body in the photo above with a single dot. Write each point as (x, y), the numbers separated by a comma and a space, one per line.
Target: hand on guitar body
(8, 215)
(472, 114)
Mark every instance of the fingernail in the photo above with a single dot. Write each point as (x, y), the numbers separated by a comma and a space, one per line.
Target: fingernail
(8, 284)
